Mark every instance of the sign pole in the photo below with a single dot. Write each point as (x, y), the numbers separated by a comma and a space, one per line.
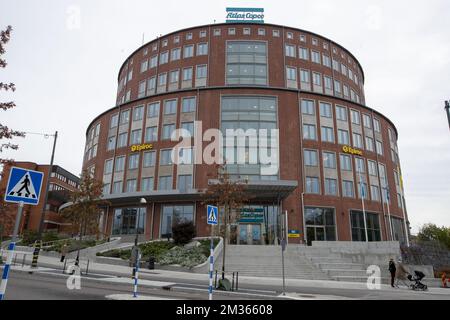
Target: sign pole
(11, 248)
(211, 265)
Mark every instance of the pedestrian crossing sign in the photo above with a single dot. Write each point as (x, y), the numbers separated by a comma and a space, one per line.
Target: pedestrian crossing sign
(24, 186)
(212, 214)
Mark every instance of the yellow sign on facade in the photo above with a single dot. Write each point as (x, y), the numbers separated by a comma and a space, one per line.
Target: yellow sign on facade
(348, 149)
(293, 235)
(140, 147)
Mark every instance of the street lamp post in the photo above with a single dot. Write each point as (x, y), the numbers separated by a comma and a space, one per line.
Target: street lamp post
(143, 202)
(447, 108)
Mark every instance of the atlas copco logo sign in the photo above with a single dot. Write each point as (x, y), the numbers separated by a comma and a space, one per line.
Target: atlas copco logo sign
(255, 15)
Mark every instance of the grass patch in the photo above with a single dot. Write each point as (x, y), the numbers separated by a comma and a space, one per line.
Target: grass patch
(74, 245)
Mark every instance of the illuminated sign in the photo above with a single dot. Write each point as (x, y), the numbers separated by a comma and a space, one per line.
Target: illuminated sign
(350, 150)
(294, 234)
(253, 15)
(140, 147)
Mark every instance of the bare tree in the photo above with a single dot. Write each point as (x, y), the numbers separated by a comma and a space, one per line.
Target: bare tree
(228, 194)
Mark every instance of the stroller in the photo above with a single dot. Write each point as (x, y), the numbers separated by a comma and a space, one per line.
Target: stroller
(417, 285)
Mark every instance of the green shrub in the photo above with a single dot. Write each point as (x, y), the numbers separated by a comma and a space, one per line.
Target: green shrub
(50, 236)
(155, 249)
(29, 237)
(183, 232)
(184, 257)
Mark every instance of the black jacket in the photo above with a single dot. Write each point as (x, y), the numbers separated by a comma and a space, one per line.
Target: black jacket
(392, 267)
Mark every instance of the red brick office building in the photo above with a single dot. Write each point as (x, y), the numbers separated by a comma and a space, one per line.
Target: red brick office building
(62, 182)
(260, 76)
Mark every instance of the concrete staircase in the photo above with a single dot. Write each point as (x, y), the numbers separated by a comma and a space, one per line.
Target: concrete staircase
(265, 261)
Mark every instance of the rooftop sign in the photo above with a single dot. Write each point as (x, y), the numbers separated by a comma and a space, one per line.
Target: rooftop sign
(252, 15)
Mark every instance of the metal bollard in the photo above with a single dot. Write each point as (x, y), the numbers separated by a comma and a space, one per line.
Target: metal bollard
(232, 283)
(237, 280)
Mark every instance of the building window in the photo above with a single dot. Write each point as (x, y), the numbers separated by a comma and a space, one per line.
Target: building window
(327, 134)
(314, 41)
(136, 136)
(176, 39)
(201, 72)
(166, 157)
(325, 110)
(347, 189)
(346, 162)
(144, 65)
(261, 32)
(337, 87)
(125, 117)
(290, 35)
(379, 145)
(375, 193)
(290, 51)
(304, 76)
(129, 221)
(120, 164)
(246, 63)
(202, 49)
(372, 166)
(341, 113)
(329, 160)
(117, 187)
(147, 184)
(168, 129)
(162, 79)
(291, 74)
(114, 120)
(303, 53)
(165, 42)
(320, 224)
(175, 54)
(138, 113)
(328, 83)
(174, 76)
(170, 107)
(360, 165)
(184, 182)
(308, 107)
(369, 144)
(358, 229)
(165, 183)
(343, 137)
(141, 89)
(106, 188)
(188, 104)
(111, 143)
(398, 230)
(231, 31)
(276, 33)
(315, 57)
(302, 38)
(189, 36)
(309, 132)
(326, 61)
(217, 32)
(131, 185)
(317, 79)
(151, 85)
(149, 159)
(153, 110)
(376, 125)
(246, 32)
(330, 187)
(164, 57)
(357, 141)
(172, 214)
(188, 51)
(151, 134)
(367, 121)
(108, 166)
(202, 34)
(153, 61)
(355, 117)
(188, 126)
(187, 74)
(311, 158)
(123, 140)
(312, 185)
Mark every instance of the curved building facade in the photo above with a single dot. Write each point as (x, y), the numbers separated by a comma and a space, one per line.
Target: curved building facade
(338, 176)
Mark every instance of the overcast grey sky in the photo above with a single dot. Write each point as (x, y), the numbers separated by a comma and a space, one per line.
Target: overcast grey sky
(66, 70)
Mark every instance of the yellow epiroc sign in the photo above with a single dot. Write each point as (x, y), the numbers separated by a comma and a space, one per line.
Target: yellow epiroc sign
(140, 147)
(348, 149)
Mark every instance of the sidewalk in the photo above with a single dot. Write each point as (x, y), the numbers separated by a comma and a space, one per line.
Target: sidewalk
(243, 280)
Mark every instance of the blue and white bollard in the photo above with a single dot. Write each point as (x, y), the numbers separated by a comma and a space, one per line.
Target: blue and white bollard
(136, 276)
(211, 269)
(7, 266)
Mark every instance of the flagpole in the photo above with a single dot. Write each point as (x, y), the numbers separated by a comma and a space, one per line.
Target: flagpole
(388, 203)
(362, 202)
(403, 206)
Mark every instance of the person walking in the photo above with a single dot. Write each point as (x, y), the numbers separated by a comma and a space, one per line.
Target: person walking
(64, 251)
(392, 270)
(401, 273)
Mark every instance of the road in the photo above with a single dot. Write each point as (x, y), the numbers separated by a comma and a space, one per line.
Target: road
(51, 285)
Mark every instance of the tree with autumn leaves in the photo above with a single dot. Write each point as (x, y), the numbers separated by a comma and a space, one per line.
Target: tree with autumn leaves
(229, 196)
(7, 212)
(85, 210)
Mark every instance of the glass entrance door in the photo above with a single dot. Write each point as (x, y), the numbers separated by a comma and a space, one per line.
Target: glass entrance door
(316, 233)
(250, 234)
